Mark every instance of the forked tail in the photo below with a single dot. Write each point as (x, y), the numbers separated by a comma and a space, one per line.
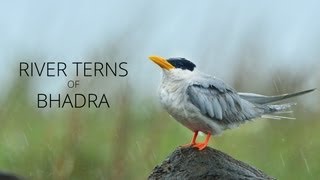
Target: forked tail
(262, 99)
(271, 110)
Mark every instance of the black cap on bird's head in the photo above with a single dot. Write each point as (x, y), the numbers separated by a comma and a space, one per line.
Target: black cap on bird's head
(181, 63)
(173, 63)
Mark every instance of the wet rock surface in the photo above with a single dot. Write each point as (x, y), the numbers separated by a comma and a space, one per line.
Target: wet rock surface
(190, 163)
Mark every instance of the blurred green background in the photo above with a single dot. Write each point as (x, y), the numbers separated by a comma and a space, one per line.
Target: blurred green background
(263, 47)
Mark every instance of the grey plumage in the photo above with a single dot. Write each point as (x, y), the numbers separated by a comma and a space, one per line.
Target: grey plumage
(204, 103)
(261, 99)
(221, 103)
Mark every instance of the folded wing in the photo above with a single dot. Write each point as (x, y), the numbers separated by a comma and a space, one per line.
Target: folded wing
(220, 102)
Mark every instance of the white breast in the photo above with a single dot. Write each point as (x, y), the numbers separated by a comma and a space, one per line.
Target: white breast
(174, 99)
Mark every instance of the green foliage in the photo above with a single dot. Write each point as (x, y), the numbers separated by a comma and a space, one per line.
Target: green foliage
(127, 144)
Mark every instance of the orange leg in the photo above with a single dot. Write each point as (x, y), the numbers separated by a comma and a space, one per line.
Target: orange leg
(203, 145)
(193, 141)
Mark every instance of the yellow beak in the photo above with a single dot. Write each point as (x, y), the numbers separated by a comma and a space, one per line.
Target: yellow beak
(162, 62)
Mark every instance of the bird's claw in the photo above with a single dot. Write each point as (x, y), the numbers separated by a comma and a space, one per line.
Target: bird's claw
(188, 145)
(200, 146)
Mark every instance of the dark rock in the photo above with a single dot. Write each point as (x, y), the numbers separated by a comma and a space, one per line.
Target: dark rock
(8, 176)
(190, 163)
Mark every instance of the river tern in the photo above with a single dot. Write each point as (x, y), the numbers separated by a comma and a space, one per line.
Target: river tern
(206, 104)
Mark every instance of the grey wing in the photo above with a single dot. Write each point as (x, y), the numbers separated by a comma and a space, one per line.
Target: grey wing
(220, 102)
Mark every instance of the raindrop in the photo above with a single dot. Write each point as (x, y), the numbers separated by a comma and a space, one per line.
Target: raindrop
(275, 85)
(154, 156)
(25, 139)
(282, 160)
(138, 146)
(305, 161)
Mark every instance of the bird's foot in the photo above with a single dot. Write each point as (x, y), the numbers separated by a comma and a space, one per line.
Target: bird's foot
(200, 146)
(188, 145)
(204, 144)
(193, 141)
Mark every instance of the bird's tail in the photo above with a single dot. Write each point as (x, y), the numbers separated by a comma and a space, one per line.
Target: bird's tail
(273, 111)
(261, 99)
(278, 111)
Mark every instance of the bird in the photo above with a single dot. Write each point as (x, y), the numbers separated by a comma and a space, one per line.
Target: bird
(206, 104)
